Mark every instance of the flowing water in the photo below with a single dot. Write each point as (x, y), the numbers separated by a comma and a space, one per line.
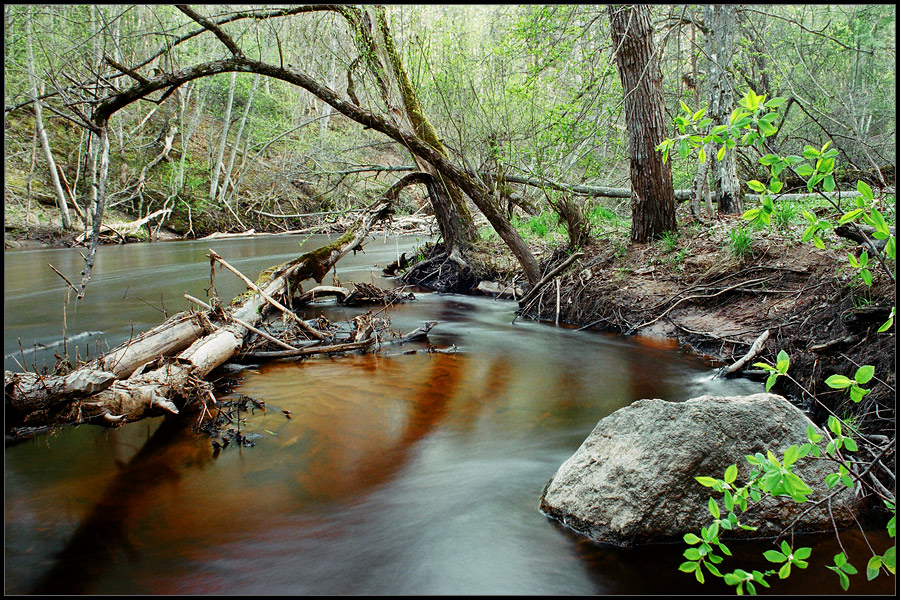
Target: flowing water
(396, 473)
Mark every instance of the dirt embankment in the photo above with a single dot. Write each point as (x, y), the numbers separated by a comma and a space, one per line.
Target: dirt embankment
(698, 292)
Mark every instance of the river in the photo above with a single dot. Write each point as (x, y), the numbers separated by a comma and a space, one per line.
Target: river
(396, 473)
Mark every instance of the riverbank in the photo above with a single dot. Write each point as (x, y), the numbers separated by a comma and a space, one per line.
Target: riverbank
(700, 290)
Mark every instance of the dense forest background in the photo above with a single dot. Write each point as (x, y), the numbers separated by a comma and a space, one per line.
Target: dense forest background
(527, 91)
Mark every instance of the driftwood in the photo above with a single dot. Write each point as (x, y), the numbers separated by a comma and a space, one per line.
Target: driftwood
(126, 229)
(755, 349)
(164, 370)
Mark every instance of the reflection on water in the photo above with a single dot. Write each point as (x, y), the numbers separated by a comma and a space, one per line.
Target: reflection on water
(397, 473)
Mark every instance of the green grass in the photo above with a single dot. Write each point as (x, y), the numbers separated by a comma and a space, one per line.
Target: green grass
(741, 242)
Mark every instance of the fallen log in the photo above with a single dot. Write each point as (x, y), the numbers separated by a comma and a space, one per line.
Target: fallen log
(126, 229)
(147, 377)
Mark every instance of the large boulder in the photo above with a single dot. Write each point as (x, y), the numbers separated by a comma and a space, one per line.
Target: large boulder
(632, 480)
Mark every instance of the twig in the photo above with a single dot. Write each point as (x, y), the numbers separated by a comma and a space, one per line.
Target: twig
(548, 277)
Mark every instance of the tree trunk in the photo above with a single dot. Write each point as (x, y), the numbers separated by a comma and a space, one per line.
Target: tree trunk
(220, 153)
(376, 42)
(720, 22)
(652, 194)
(42, 133)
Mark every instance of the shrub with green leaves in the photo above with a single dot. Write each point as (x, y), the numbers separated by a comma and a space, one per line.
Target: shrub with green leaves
(750, 124)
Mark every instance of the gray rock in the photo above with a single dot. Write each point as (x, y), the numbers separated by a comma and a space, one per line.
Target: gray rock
(632, 480)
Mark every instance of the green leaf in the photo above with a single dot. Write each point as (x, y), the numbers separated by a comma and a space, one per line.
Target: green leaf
(810, 152)
(812, 435)
(784, 362)
(850, 444)
(707, 481)
(804, 170)
(834, 424)
(863, 188)
(713, 509)
(751, 214)
(756, 186)
(692, 554)
(775, 102)
(828, 183)
(691, 538)
(688, 566)
(766, 128)
(721, 153)
(774, 556)
(864, 374)
(775, 186)
(769, 159)
(850, 216)
(857, 393)
(791, 455)
(873, 568)
(785, 571)
(803, 553)
(731, 473)
(838, 382)
(845, 581)
(701, 156)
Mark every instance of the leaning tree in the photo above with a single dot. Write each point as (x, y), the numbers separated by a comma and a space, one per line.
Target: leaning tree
(403, 121)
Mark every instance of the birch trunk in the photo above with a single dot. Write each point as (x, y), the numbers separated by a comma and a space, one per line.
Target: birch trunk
(720, 21)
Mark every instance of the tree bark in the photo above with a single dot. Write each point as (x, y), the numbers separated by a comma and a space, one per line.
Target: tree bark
(652, 194)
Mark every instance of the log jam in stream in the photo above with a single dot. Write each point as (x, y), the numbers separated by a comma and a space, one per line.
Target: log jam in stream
(164, 370)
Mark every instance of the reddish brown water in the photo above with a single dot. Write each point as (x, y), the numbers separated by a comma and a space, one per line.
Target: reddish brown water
(396, 474)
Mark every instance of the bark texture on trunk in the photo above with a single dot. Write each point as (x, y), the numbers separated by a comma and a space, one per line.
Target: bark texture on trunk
(652, 194)
(720, 22)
